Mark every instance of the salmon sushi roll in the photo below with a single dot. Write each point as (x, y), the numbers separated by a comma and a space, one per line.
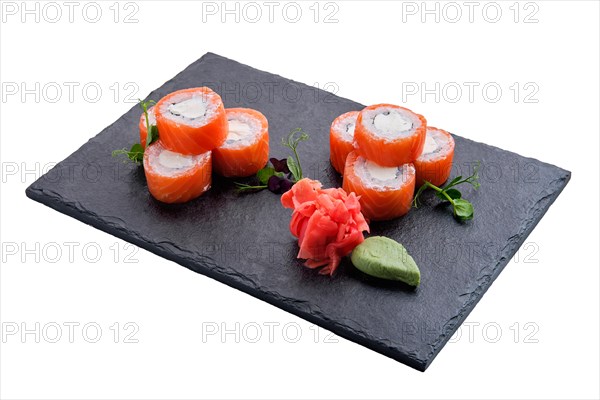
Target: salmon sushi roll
(341, 139)
(435, 162)
(174, 177)
(246, 148)
(191, 121)
(389, 135)
(144, 128)
(385, 192)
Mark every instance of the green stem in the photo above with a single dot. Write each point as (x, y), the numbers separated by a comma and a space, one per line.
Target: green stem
(242, 186)
(431, 185)
(299, 165)
(148, 130)
(443, 192)
(148, 127)
(415, 202)
(448, 197)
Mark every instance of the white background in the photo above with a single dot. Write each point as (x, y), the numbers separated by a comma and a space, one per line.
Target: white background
(367, 54)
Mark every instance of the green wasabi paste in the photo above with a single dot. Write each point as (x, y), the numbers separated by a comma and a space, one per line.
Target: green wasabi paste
(385, 258)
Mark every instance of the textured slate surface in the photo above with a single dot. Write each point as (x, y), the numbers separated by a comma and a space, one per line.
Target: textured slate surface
(244, 242)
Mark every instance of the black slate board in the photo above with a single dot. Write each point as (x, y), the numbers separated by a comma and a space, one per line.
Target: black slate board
(244, 241)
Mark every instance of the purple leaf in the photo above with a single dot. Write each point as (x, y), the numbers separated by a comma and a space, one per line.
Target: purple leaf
(274, 184)
(285, 185)
(280, 165)
(279, 185)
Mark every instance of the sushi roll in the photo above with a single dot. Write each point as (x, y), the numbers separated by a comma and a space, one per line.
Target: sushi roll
(341, 138)
(435, 162)
(144, 128)
(191, 121)
(389, 135)
(385, 192)
(174, 177)
(246, 148)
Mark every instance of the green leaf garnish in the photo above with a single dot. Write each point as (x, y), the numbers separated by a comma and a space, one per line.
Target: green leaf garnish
(242, 187)
(152, 135)
(284, 178)
(294, 138)
(453, 193)
(264, 174)
(152, 130)
(454, 181)
(135, 154)
(415, 202)
(463, 209)
(294, 168)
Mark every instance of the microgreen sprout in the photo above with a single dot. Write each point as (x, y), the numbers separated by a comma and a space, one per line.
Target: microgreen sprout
(281, 175)
(152, 135)
(463, 209)
(294, 138)
(136, 152)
